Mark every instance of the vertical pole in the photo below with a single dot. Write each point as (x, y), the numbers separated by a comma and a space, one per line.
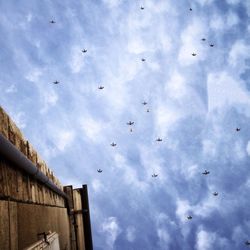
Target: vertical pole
(86, 218)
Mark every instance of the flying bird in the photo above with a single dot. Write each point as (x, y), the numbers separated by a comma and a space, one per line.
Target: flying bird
(99, 170)
(52, 21)
(55, 82)
(154, 175)
(143, 59)
(237, 129)
(142, 8)
(211, 45)
(113, 144)
(206, 172)
(190, 9)
(100, 87)
(148, 110)
(189, 217)
(130, 123)
(84, 51)
(247, 243)
(215, 193)
(144, 103)
(159, 139)
(194, 54)
(203, 39)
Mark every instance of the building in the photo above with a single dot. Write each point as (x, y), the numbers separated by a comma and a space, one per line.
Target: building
(36, 211)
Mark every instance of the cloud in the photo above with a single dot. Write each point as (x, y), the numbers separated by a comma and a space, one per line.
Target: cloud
(97, 185)
(224, 90)
(195, 105)
(222, 23)
(19, 119)
(163, 236)
(112, 3)
(190, 43)
(111, 230)
(93, 129)
(131, 234)
(205, 240)
(237, 55)
(63, 139)
(34, 75)
(11, 89)
(49, 99)
(233, 1)
(248, 148)
(77, 60)
(204, 2)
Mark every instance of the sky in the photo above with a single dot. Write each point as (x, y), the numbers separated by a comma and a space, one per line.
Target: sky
(195, 104)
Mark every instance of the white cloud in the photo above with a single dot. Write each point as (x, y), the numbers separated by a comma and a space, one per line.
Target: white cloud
(77, 60)
(209, 148)
(163, 236)
(129, 174)
(93, 128)
(239, 235)
(112, 3)
(111, 230)
(205, 240)
(20, 119)
(247, 6)
(11, 89)
(176, 87)
(220, 23)
(29, 17)
(131, 234)
(183, 209)
(217, 23)
(64, 139)
(190, 43)
(224, 90)
(203, 209)
(237, 55)
(233, 1)
(239, 150)
(204, 2)
(49, 99)
(190, 171)
(120, 160)
(136, 45)
(232, 19)
(165, 117)
(34, 75)
(248, 148)
(97, 185)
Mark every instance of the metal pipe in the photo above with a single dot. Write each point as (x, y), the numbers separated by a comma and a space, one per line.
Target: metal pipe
(9, 151)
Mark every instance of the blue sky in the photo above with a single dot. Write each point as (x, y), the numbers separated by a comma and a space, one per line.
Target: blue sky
(195, 104)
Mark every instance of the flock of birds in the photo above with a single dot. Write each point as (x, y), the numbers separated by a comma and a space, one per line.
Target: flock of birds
(130, 123)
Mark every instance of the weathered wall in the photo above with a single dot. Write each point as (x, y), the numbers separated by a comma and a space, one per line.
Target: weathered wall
(15, 184)
(21, 223)
(27, 207)
(78, 218)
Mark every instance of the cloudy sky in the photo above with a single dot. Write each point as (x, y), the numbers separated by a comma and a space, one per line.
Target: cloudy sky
(195, 104)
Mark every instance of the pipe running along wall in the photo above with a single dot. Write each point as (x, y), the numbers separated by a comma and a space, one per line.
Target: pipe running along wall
(10, 152)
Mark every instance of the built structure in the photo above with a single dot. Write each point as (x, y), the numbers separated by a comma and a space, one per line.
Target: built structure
(36, 211)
